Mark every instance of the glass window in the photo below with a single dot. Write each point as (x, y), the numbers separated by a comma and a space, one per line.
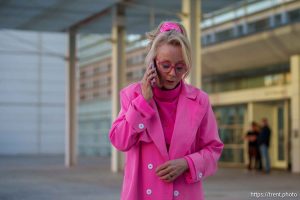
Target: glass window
(294, 15)
(259, 25)
(240, 30)
(230, 122)
(224, 35)
(277, 20)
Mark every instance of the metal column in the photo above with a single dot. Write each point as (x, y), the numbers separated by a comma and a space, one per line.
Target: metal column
(295, 113)
(191, 18)
(118, 73)
(71, 104)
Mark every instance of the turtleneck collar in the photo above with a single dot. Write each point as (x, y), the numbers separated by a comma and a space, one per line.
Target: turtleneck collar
(167, 95)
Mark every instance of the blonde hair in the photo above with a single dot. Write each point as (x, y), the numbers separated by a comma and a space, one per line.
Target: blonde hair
(157, 39)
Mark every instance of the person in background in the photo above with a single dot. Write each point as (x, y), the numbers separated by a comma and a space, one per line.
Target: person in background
(251, 137)
(264, 143)
(166, 127)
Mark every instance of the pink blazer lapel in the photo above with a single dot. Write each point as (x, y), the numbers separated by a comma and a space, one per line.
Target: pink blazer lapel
(155, 130)
(188, 117)
(157, 134)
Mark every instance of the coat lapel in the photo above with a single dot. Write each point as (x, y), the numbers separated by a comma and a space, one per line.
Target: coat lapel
(155, 129)
(156, 132)
(188, 116)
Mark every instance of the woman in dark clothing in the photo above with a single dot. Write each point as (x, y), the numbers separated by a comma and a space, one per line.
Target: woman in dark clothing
(253, 152)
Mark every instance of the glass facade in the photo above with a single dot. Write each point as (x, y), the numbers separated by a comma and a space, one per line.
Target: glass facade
(94, 125)
(95, 89)
(231, 122)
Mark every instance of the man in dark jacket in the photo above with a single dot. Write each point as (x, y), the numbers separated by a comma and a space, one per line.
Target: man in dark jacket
(264, 143)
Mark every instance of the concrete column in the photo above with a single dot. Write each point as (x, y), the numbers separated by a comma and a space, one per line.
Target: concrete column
(191, 18)
(118, 73)
(295, 113)
(250, 110)
(250, 118)
(71, 104)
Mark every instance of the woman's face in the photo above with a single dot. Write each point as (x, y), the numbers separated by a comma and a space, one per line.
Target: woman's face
(170, 65)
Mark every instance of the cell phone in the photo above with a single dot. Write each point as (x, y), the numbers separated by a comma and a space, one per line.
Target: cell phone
(153, 65)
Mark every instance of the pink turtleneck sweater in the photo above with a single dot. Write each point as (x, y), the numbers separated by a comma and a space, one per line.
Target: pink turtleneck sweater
(166, 101)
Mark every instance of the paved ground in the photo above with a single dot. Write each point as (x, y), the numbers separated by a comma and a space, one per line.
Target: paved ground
(45, 178)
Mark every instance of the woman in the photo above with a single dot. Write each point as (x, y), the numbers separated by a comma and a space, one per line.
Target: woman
(166, 127)
(253, 148)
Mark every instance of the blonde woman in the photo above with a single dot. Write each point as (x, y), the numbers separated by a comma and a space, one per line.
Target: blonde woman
(166, 127)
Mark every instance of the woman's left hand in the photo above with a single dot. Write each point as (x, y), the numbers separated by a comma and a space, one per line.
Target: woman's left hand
(171, 169)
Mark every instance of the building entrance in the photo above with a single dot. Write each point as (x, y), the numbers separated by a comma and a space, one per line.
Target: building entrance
(277, 114)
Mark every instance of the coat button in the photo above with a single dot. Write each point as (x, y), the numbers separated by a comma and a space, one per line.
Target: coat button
(141, 126)
(176, 193)
(200, 175)
(149, 191)
(150, 166)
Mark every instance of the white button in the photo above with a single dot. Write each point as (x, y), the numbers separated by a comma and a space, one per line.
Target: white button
(141, 126)
(150, 166)
(200, 175)
(149, 191)
(176, 193)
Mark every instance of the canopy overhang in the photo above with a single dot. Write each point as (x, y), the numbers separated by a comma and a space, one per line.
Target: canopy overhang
(93, 16)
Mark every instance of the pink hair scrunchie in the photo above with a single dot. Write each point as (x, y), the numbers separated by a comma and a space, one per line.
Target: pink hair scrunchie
(168, 26)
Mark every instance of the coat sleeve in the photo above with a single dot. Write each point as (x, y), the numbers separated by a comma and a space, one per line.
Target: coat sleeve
(203, 163)
(131, 124)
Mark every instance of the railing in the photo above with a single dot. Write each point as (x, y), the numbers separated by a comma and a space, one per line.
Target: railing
(241, 9)
(238, 31)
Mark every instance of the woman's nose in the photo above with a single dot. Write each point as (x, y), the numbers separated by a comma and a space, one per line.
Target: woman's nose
(172, 71)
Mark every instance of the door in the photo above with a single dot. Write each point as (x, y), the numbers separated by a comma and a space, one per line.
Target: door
(231, 129)
(277, 115)
(280, 136)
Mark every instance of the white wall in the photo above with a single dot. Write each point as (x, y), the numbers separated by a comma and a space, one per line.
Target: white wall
(32, 84)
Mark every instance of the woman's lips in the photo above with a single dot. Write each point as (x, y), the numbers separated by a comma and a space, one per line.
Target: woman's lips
(170, 81)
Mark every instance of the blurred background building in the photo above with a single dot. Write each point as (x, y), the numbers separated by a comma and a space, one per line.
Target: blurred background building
(246, 51)
(95, 88)
(250, 69)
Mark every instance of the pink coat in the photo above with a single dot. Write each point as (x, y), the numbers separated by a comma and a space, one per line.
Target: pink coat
(138, 132)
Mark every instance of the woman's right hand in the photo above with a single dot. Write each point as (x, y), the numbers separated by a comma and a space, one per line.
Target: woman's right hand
(149, 76)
